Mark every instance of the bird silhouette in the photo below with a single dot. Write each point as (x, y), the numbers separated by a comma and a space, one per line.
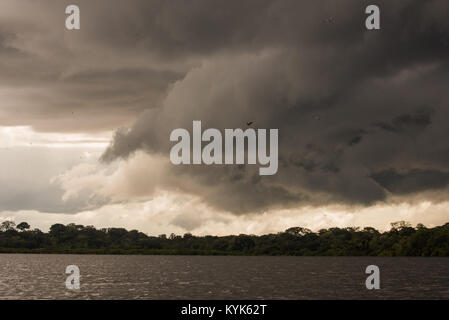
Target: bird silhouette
(249, 123)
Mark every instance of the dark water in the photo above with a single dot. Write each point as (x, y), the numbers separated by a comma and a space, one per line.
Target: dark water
(207, 277)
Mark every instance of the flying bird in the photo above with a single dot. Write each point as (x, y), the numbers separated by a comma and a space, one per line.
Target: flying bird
(249, 123)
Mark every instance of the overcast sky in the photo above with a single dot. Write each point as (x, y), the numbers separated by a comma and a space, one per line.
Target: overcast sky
(86, 115)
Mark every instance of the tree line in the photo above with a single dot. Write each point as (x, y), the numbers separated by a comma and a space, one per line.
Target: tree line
(401, 240)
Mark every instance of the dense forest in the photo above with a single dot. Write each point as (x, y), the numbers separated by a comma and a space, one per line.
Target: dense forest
(401, 240)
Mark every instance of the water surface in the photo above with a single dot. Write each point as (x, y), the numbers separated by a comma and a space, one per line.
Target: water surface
(28, 276)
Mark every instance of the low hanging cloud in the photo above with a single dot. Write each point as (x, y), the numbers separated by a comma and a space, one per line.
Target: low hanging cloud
(411, 181)
(353, 107)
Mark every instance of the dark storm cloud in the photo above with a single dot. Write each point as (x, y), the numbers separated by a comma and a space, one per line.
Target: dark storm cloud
(348, 102)
(61, 81)
(411, 181)
(415, 121)
(323, 85)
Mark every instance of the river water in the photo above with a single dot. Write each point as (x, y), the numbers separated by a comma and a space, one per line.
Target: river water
(29, 276)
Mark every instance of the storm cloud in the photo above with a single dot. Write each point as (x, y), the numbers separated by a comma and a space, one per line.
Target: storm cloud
(361, 114)
(349, 103)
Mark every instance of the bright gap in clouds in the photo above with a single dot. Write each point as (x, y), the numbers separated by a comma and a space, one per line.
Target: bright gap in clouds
(23, 136)
(31, 160)
(177, 213)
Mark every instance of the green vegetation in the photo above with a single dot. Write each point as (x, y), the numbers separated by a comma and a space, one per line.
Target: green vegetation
(401, 240)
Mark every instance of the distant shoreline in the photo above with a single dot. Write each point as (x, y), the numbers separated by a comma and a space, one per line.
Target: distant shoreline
(122, 252)
(401, 240)
(163, 253)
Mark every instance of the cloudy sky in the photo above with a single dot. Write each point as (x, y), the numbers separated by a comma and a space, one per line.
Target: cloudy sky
(86, 115)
